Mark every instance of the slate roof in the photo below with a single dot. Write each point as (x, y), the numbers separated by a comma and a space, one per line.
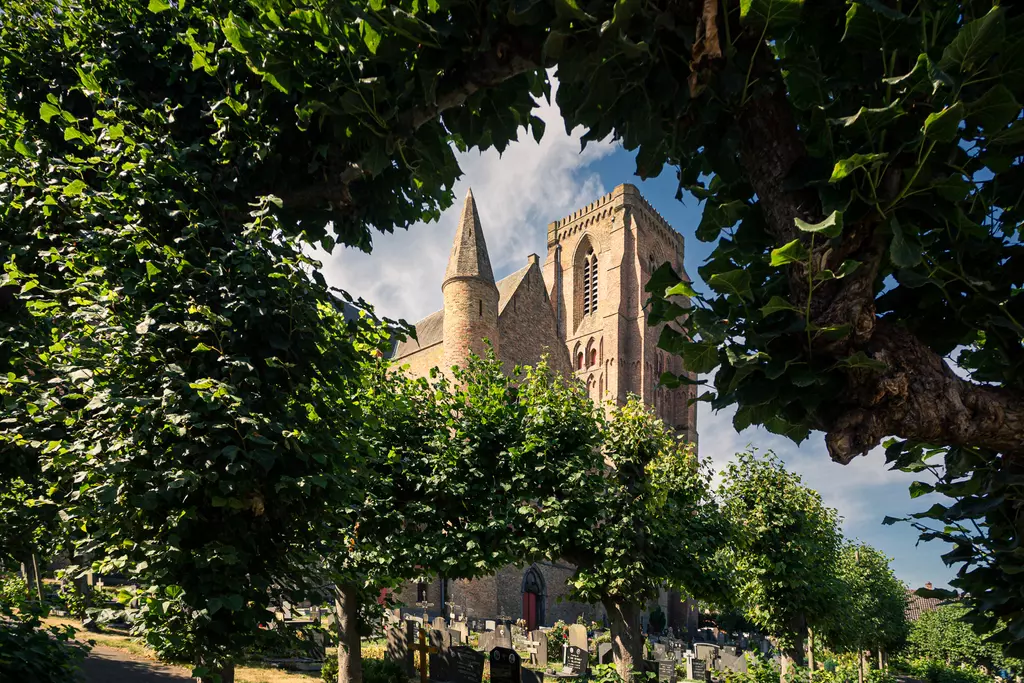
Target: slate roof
(430, 330)
(917, 605)
(469, 251)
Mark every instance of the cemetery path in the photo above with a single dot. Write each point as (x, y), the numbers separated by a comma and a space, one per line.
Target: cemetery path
(111, 665)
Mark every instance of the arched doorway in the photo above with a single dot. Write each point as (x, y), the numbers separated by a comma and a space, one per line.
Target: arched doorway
(534, 594)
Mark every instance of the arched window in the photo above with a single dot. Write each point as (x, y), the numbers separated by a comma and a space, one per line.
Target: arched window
(590, 283)
(593, 356)
(579, 360)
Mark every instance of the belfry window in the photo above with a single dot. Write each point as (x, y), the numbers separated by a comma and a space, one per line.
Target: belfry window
(590, 283)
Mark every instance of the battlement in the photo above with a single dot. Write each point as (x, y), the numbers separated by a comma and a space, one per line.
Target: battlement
(599, 209)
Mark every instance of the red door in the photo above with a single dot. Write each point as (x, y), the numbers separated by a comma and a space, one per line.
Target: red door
(530, 611)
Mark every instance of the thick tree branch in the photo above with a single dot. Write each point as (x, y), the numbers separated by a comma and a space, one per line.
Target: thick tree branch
(919, 397)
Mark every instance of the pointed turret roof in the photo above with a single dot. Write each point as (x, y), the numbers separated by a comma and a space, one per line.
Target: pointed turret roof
(469, 253)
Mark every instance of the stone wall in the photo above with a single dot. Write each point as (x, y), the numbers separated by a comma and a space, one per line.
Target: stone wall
(421, 361)
(470, 318)
(526, 326)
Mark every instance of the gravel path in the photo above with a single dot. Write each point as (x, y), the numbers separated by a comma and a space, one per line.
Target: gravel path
(110, 665)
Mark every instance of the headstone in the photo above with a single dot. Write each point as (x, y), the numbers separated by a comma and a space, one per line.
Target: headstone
(462, 628)
(503, 637)
(578, 636)
(706, 651)
(532, 676)
(506, 667)
(489, 625)
(605, 653)
(576, 659)
(666, 669)
(467, 665)
(456, 637)
(440, 659)
(698, 670)
(732, 659)
(439, 623)
(540, 659)
(400, 641)
(660, 651)
(486, 641)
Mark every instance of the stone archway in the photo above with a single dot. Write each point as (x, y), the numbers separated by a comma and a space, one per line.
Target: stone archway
(534, 592)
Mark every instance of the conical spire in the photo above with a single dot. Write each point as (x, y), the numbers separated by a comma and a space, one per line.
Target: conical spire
(469, 253)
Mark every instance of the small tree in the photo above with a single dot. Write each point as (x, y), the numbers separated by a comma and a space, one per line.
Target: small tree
(784, 550)
(652, 522)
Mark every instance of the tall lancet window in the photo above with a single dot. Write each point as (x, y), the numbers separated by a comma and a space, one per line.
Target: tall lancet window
(590, 283)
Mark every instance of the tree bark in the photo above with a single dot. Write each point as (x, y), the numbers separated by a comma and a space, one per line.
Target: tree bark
(627, 640)
(810, 654)
(37, 578)
(917, 396)
(350, 659)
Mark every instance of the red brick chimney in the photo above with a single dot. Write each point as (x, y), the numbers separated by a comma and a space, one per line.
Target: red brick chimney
(928, 586)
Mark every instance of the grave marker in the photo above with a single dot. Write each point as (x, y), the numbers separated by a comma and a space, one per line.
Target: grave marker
(698, 670)
(605, 653)
(666, 670)
(400, 639)
(540, 658)
(506, 667)
(576, 659)
(578, 636)
(532, 676)
(503, 637)
(467, 665)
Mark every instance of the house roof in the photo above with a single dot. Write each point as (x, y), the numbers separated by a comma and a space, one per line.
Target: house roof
(917, 605)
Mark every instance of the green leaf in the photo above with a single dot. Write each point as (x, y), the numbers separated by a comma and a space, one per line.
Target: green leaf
(794, 252)
(905, 251)
(975, 42)
(994, 110)
(234, 30)
(74, 188)
(861, 360)
(773, 14)
(732, 282)
(22, 149)
(776, 304)
(919, 488)
(680, 289)
(926, 76)
(832, 226)
(47, 111)
(371, 38)
(845, 167)
(699, 357)
(157, 6)
(151, 269)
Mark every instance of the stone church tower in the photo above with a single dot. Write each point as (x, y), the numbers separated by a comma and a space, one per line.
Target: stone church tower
(584, 309)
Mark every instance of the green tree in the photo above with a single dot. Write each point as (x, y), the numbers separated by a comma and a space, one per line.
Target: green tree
(465, 475)
(651, 522)
(871, 613)
(945, 634)
(784, 551)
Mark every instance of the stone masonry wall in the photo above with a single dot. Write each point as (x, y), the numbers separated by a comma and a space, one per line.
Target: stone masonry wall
(526, 326)
(470, 317)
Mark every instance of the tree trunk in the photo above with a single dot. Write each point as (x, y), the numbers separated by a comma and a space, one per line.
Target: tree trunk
(810, 654)
(38, 579)
(350, 659)
(627, 641)
(860, 666)
(225, 674)
(881, 658)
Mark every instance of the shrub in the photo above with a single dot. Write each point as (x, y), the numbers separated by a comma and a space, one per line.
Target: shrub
(557, 636)
(29, 652)
(13, 590)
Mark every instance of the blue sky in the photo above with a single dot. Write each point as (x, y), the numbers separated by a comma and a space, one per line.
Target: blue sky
(530, 185)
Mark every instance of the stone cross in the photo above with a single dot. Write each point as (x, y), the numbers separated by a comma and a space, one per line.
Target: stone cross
(424, 652)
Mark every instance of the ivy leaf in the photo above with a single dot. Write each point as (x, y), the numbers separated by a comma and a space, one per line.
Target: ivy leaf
(699, 357)
(74, 188)
(47, 111)
(994, 110)
(773, 14)
(904, 251)
(776, 304)
(157, 6)
(975, 42)
(794, 252)
(832, 226)
(845, 167)
(732, 282)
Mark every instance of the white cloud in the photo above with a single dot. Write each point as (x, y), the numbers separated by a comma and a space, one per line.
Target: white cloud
(517, 194)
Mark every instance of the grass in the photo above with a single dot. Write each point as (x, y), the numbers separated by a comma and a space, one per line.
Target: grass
(126, 643)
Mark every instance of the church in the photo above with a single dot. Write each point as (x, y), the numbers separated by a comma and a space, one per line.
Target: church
(583, 307)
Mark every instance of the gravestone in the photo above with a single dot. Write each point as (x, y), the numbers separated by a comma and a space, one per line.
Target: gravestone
(439, 623)
(578, 636)
(707, 652)
(456, 638)
(666, 669)
(467, 665)
(732, 659)
(660, 651)
(486, 641)
(540, 658)
(532, 676)
(440, 657)
(506, 667)
(503, 637)
(605, 653)
(698, 670)
(400, 646)
(489, 625)
(576, 659)
(462, 628)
